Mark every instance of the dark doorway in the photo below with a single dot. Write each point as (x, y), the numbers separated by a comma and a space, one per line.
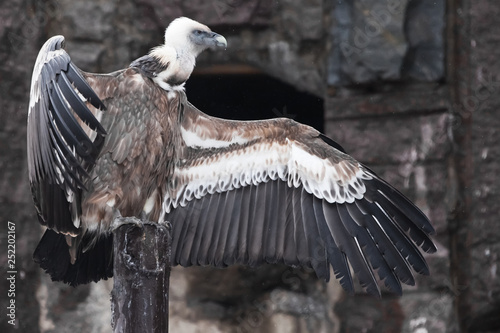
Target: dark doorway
(253, 97)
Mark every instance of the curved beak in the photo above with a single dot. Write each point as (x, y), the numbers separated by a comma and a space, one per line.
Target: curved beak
(216, 40)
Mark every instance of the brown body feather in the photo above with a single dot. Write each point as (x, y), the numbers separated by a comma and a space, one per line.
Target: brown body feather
(137, 157)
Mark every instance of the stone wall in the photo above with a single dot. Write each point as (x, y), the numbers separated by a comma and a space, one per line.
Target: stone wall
(423, 118)
(477, 238)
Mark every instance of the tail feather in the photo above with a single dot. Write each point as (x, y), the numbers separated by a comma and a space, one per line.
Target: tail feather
(93, 264)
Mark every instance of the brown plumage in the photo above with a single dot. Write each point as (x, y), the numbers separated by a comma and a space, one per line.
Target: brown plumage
(235, 192)
(133, 142)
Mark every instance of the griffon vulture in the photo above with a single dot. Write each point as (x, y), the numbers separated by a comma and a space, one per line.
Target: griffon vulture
(129, 143)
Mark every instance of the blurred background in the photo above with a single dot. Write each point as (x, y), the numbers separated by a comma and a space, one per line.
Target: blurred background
(409, 87)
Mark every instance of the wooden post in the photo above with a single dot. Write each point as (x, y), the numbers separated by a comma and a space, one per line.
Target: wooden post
(139, 300)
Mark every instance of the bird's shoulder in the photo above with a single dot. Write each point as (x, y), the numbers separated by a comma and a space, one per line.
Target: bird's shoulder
(156, 62)
(122, 84)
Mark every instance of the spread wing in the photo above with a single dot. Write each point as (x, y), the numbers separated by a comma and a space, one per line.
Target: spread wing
(64, 136)
(280, 192)
(79, 174)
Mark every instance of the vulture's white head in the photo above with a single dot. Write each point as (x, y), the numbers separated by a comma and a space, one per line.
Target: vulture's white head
(174, 61)
(188, 35)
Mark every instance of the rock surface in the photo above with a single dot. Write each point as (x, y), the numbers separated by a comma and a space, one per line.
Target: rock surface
(386, 40)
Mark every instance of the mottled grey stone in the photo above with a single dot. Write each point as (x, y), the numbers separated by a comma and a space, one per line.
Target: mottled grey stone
(428, 312)
(87, 20)
(386, 40)
(424, 31)
(372, 141)
(362, 313)
(481, 294)
(302, 21)
(70, 310)
(213, 12)
(368, 41)
(414, 312)
(296, 303)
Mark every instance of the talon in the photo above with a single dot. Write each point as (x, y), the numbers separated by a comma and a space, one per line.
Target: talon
(167, 224)
(133, 221)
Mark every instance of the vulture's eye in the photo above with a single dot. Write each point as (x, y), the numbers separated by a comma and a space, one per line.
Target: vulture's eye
(197, 32)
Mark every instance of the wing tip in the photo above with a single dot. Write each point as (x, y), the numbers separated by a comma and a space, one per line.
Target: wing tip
(54, 43)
